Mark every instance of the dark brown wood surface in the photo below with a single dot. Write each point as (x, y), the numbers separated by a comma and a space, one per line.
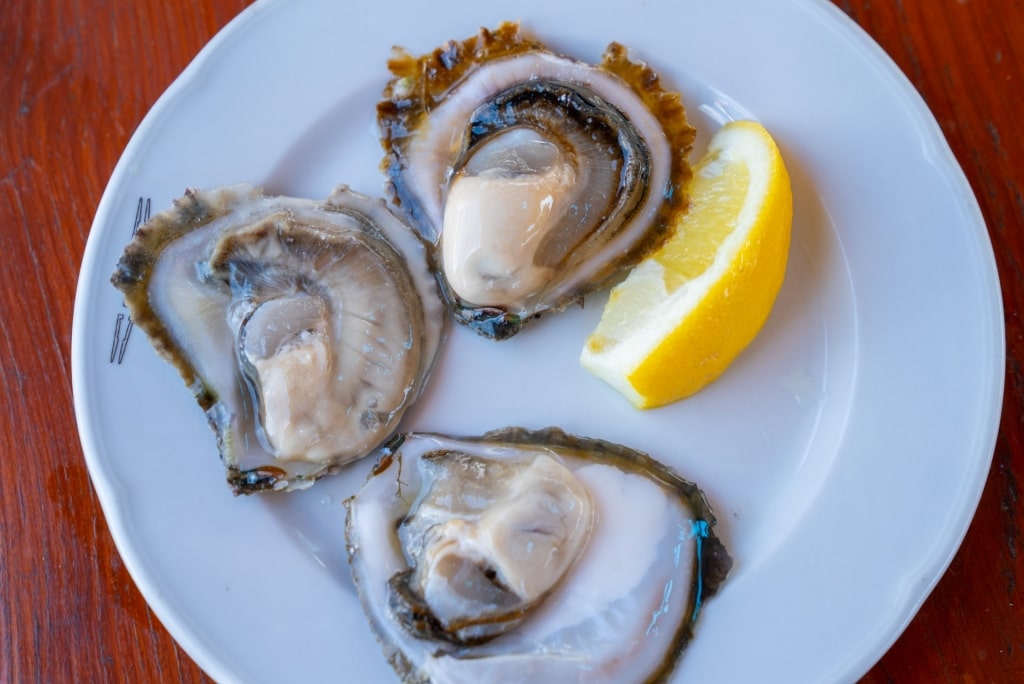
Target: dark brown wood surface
(76, 80)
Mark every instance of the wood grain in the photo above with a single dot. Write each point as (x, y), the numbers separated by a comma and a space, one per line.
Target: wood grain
(77, 79)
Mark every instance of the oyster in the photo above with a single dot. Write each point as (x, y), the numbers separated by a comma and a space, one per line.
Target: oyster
(538, 178)
(530, 555)
(303, 329)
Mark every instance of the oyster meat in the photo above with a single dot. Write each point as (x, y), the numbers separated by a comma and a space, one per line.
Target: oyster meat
(537, 178)
(530, 556)
(304, 329)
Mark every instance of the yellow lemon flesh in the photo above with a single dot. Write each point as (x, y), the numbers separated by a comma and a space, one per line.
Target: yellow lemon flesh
(686, 311)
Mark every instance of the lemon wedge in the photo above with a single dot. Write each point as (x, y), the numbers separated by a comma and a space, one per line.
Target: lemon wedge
(685, 312)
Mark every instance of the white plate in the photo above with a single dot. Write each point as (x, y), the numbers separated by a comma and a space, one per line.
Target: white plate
(844, 451)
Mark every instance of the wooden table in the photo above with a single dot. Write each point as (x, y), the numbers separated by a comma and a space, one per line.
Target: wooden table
(77, 79)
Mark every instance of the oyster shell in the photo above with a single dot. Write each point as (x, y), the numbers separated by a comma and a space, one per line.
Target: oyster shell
(530, 555)
(304, 329)
(538, 178)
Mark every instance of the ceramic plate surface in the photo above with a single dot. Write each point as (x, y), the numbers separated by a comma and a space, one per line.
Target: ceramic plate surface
(844, 451)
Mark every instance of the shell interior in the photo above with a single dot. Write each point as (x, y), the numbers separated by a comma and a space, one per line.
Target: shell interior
(304, 329)
(537, 178)
(630, 544)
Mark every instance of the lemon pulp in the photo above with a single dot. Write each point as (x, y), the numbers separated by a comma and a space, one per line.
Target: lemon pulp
(686, 311)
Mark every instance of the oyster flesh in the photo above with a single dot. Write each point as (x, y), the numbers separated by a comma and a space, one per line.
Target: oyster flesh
(530, 556)
(537, 178)
(304, 329)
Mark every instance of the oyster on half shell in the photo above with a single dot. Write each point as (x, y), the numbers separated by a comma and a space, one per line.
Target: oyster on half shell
(538, 178)
(304, 329)
(530, 556)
